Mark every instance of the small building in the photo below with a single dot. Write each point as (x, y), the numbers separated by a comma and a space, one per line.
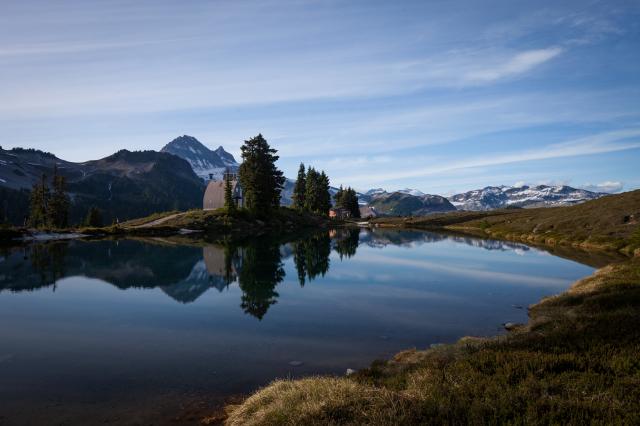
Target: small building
(339, 213)
(214, 194)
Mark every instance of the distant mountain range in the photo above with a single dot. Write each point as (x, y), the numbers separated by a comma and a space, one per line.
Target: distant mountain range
(496, 197)
(412, 202)
(133, 184)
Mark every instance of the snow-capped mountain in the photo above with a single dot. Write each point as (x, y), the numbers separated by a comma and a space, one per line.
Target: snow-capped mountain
(203, 160)
(414, 192)
(367, 197)
(495, 197)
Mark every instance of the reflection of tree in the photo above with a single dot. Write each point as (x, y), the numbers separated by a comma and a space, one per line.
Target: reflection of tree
(347, 242)
(311, 256)
(260, 273)
(48, 261)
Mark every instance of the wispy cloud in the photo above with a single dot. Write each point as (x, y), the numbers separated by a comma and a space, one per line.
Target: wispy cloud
(608, 186)
(518, 64)
(370, 90)
(467, 272)
(596, 144)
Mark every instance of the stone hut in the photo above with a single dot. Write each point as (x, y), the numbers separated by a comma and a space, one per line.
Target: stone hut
(214, 194)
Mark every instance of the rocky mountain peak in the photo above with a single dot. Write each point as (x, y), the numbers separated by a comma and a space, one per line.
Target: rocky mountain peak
(203, 161)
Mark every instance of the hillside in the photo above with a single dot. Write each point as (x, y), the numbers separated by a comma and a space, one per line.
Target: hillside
(404, 204)
(123, 185)
(609, 222)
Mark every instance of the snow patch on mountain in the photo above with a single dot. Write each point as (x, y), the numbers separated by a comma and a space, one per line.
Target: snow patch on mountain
(203, 161)
(495, 197)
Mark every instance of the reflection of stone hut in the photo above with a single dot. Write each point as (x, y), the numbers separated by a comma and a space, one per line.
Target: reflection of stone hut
(214, 195)
(216, 262)
(214, 259)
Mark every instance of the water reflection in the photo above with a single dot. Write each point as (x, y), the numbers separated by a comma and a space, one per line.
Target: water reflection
(186, 272)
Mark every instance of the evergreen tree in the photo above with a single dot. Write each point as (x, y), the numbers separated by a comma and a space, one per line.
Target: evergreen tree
(348, 199)
(261, 181)
(229, 202)
(311, 190)
(94, 218)
(58, 208)
(38, 205)
(324, 195)
(300, 189)
(351, 203)
(338, 197)
(317, 195)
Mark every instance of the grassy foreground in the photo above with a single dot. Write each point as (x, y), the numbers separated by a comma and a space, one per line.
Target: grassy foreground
(575, 362)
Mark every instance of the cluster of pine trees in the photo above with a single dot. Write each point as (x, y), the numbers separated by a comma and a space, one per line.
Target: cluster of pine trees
(311, 191)
(348, 199)
(49, 209)
(260, 179)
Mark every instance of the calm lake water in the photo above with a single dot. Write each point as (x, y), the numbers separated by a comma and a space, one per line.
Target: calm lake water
(150, 332)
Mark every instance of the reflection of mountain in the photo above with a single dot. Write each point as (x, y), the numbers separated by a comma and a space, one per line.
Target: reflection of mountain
(384, 237)
(179, 271)
(185, 273)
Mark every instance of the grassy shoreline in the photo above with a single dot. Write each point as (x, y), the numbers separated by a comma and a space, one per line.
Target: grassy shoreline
(574, 362)
(610, 223)
(239, 224)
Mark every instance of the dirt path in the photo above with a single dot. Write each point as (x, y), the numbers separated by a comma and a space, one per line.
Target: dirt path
(158, 221)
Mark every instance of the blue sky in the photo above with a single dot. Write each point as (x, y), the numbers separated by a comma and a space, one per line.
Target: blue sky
(442, 96)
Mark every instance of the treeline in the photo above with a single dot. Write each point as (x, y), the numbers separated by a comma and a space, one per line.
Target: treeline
(49, 207)
(311, 191)
(347, 199)
(262, 183)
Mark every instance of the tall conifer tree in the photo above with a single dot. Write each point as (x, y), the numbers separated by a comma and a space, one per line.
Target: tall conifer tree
(261, 180)
(229, 202)
(58, 208)
(300, 189)
(38, 206)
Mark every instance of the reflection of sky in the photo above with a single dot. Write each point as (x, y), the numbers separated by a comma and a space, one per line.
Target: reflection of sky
(382, 300)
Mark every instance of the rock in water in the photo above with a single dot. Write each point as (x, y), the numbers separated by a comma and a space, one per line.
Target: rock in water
(510, 326)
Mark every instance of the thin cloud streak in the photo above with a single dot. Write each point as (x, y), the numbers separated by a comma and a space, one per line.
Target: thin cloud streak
(584, 146)
(472, 273)
(518, 64)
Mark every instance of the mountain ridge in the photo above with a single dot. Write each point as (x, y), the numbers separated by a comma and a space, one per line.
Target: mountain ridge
(174, 177)
(124, 185)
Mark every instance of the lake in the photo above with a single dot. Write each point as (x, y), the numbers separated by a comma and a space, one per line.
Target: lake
(162, 331)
